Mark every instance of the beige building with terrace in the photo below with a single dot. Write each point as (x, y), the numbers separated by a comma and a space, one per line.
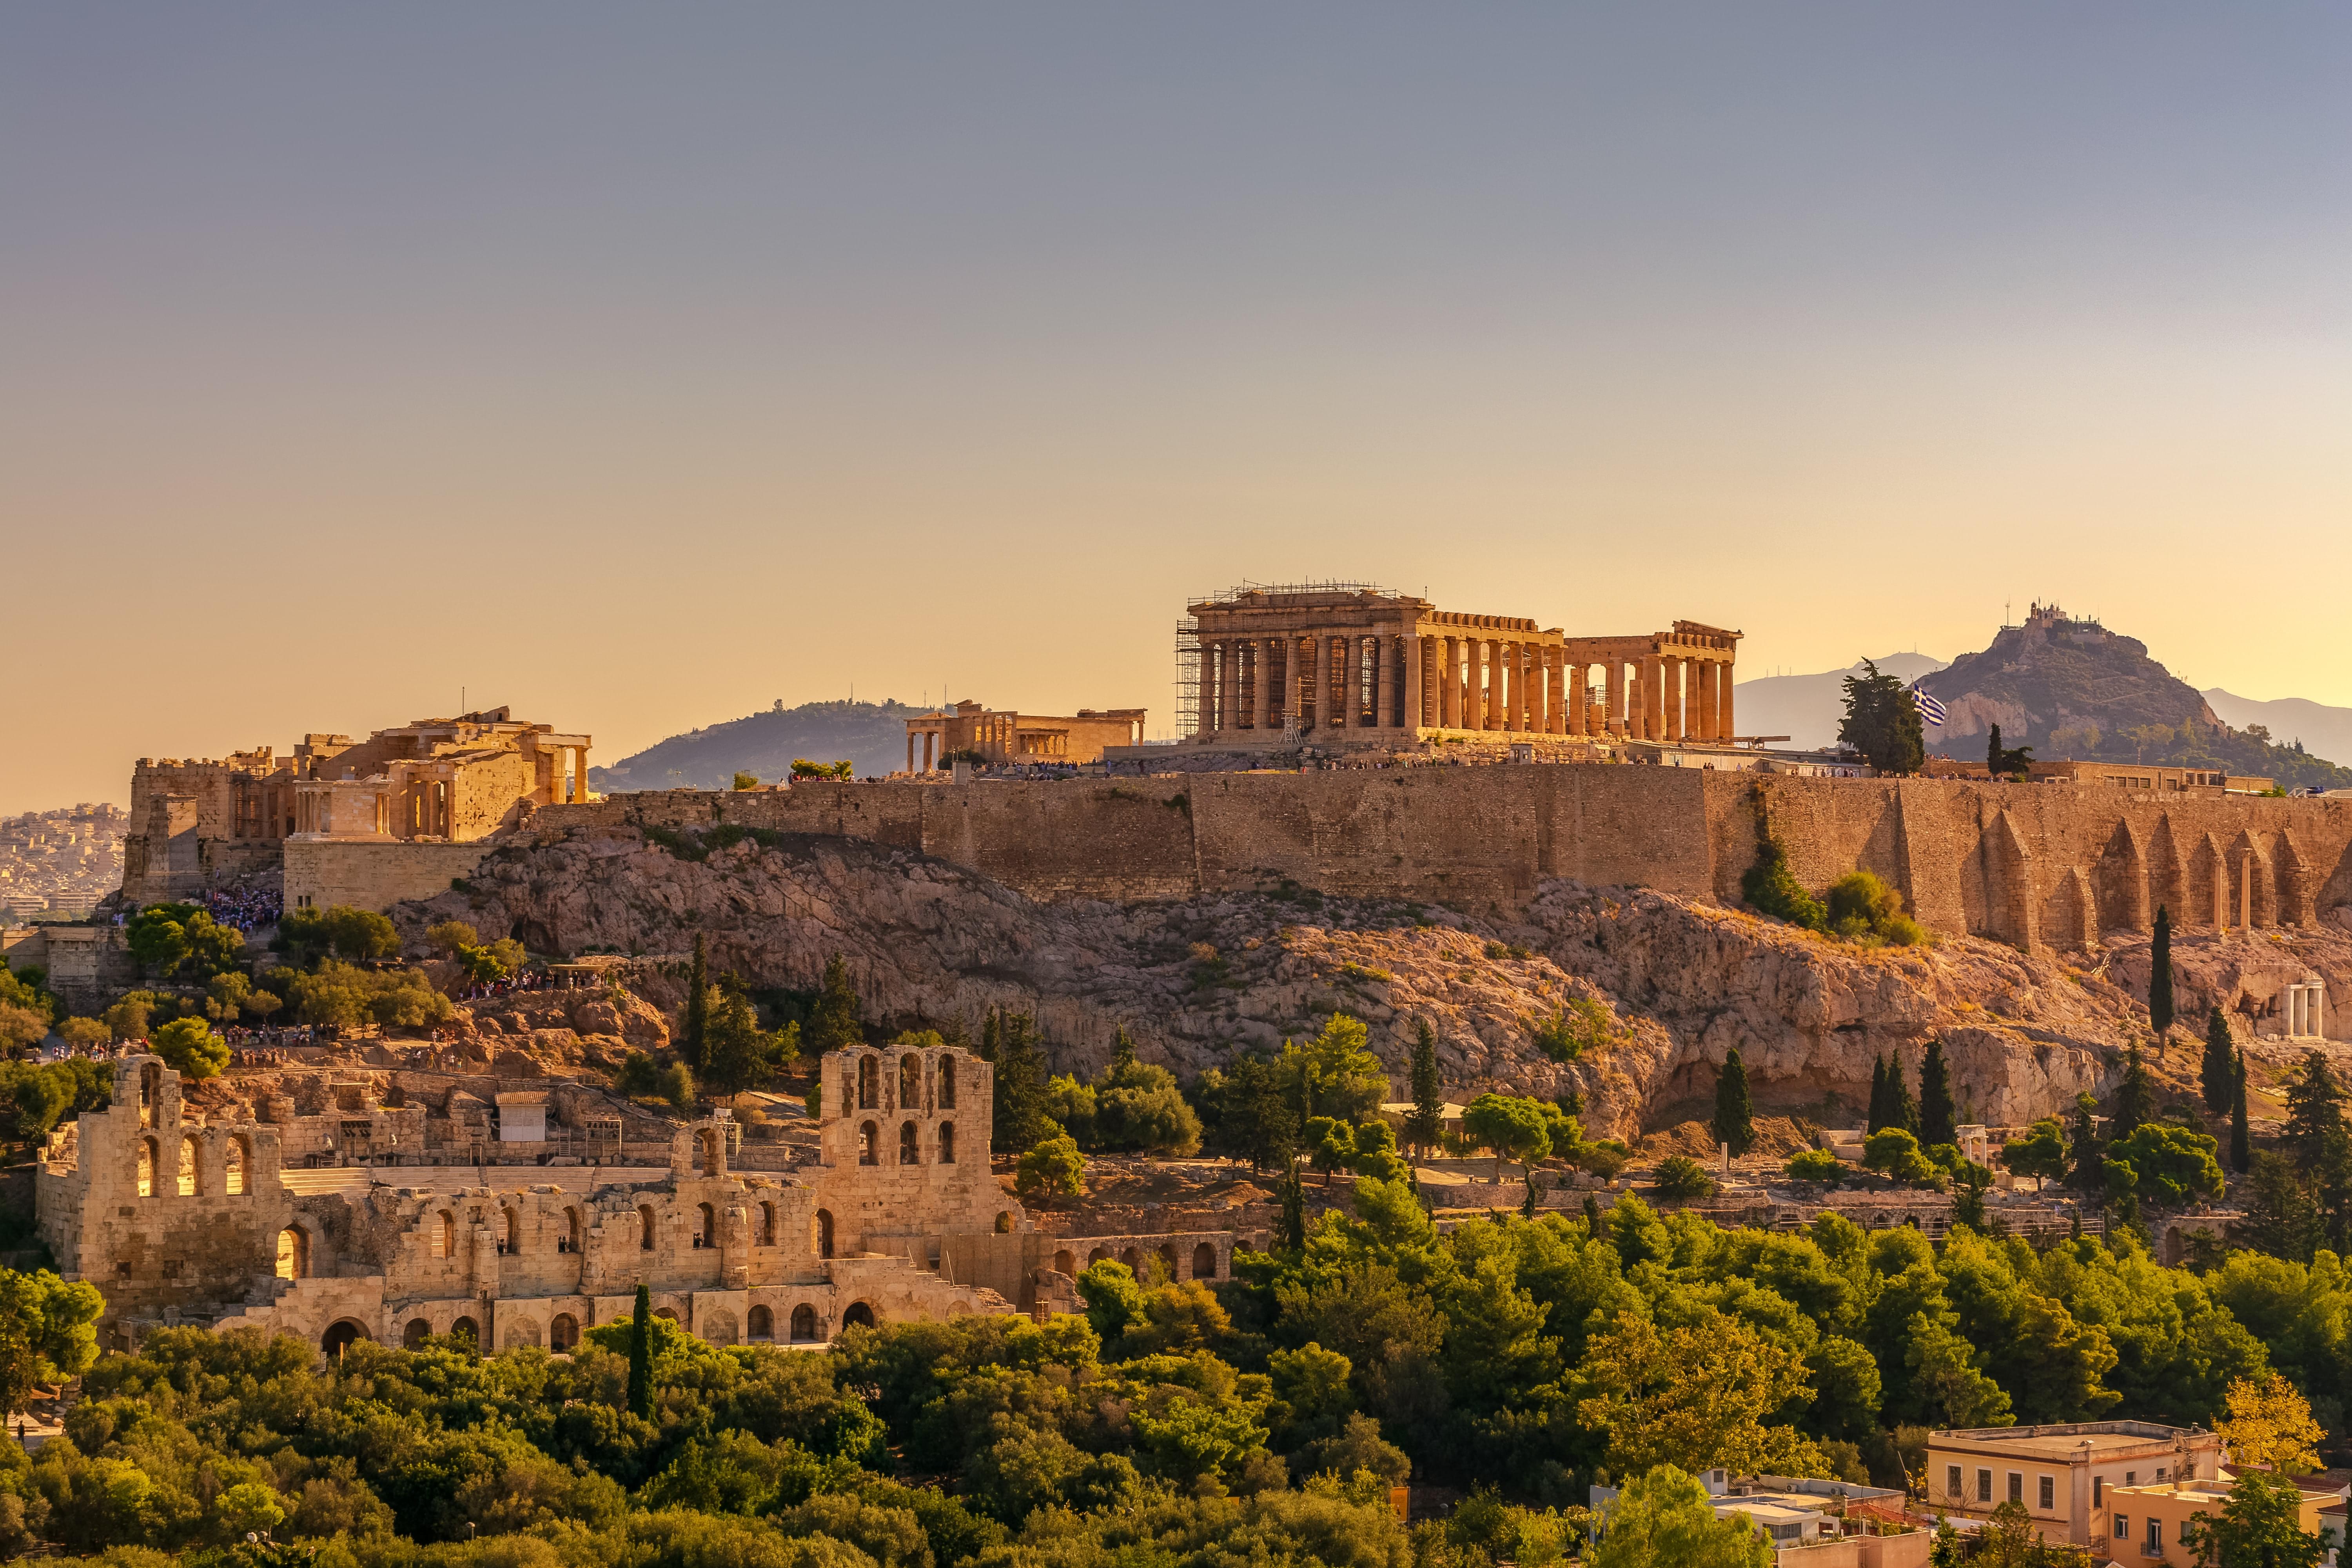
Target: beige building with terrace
(1265, 668)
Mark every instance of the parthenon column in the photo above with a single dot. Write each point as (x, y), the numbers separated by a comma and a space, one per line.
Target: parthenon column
(1654, 673)
(1508, 682)
(1260, 691)
(1409, 652)
(1670, 687)
(1384, 683)
(1723, 702)
(1575, 675)
(1613, 675)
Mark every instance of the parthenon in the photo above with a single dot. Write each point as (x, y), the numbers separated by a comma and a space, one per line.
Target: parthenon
(1266, 665)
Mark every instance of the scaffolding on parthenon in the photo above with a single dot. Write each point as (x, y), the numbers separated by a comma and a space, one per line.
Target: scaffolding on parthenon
(1187, 635)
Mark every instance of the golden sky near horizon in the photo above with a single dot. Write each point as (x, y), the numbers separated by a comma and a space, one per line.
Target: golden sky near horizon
(639, 371)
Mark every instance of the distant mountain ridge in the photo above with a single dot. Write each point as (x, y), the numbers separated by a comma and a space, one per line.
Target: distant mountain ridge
(2323, 731)
(870, 736)
(1809, 707)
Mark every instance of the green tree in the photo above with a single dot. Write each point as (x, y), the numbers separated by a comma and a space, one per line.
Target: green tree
(1882, 723)
(2240, 1133)
(2218, 1075)
(694, 1035)
(1939, 1115)
(641, 1355)
(2169, 1164)
(1255, 1114)
(1816, 1165)
(834, 1023)
(2135, 1098)
(1666, 1517)
(737, 1053)
(48, 1333)
(2159, 973)
(1895, 1153)
(1424, 1128)
(2041, 1154)
(1293, 1228)
(1734, 1125)
(1020, 1120)
(190, 1048)
(2261, 1526)
(1330, 1144)
(1052, 1169)
(1337, 1072)
(2007, 761)
(1680, 1176)
(1876, 1119)
(2315, 1115)
(746, 781)
(2279, 1218)
(1510, 1126)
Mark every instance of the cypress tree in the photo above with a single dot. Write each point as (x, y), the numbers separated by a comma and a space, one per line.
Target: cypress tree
(1876, 1122)
(835, 1022)
(1021, 1119)
(695, 1045)
(1735, 1115)
(1902, 1111)
(2159, 973)
(2135, 1098)
(2241, 1140)
(1591, 1217)
(2090, 1170)
(2220, 1073)
(1937, 1118)
(641, 1356)
(1122, 1053)
(1428, 1122)
(1293, 1207)
(1993, 752)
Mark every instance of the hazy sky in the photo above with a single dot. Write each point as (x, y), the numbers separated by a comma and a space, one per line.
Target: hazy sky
(640, 366)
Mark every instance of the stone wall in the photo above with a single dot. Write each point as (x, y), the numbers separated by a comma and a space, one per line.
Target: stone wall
(2028, 864)
(320, 873)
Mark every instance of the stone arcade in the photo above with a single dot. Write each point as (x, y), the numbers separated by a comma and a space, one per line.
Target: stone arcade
(181, 1222)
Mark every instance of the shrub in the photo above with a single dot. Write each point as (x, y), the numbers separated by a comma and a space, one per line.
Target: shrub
(1864, 909)
(1816, 1165)
(1680, 1176)
(190, 1048)
(1770, 888)
(1894, 1151)
(1581, 1026)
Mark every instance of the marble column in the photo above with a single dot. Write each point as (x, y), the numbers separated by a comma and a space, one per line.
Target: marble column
(1723, 673)
(1654, 711)
(1707, 709)
(1411, 649)
(1490, 709)
(1507, 683)
(1613, 675)
(1385, 653)
(1259, 690)
(1671, 686)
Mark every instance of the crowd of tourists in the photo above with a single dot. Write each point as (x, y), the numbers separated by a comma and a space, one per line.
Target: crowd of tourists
(246, 908)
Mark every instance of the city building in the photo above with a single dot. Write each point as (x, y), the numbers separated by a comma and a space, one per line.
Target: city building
(1809, 1523)
(2145, 1523)
(2064, 1476)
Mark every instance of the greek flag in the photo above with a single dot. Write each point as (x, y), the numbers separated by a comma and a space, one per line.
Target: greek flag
(1930, 711)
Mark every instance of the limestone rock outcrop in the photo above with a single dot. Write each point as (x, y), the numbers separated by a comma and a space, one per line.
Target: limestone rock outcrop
(1646, 991)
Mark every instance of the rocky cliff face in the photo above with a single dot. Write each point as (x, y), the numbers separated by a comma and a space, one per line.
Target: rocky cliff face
(1668, 985)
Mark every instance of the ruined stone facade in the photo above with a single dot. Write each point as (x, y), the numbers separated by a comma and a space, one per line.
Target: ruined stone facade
(197, 824)
(1259, 668)
(900, 1218)
(1007, 737)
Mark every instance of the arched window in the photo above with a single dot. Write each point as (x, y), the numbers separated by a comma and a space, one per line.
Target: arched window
(823, 1233)
(568, 1240)
(293, 1253)
(908, 1154)
(1204, 1262)
(760, 1323)
(804, 1324)
(867, 1136)
(1004, 1222)
(238, 1162)
(146, 1167)
(563, 1333)
(191, 1165)
(713, 1153)
(511, 1240)
(340, 1336)
(911, 1081)
(1099, 1254)
(151, 1090)
(947, 1142)
(1168, 1260)
(445, 1235)
(869, 1082)
(467, 1330)
(707, 1235)
(859, 1316)
(414, 1336)
(767, 1225)
(947, 1081)
(1128, 1256)
(645, 1227)
(1064, 1263)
